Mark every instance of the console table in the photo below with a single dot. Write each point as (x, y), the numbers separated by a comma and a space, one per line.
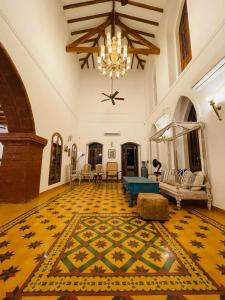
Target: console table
(135, 185)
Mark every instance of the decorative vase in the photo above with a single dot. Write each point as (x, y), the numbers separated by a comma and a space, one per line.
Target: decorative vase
(144, 170)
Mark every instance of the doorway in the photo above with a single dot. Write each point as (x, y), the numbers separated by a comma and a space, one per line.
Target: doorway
(129, 159)
(95, 154)
(193, 144)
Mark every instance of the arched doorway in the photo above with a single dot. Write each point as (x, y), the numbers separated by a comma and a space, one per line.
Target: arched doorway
(193, 143)
(22, 150)
(129, 159)
(95, 154)
(185, 111)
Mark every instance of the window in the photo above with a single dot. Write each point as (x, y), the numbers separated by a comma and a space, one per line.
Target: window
(74, 157)
(56, 159)
(184, 39)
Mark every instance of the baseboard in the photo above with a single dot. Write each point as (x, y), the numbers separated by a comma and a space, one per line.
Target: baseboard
(218, 209)
(54, 189)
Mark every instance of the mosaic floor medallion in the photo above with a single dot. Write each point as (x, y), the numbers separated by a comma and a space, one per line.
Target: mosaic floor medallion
(116, 253)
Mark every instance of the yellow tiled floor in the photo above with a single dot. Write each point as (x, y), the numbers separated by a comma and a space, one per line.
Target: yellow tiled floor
(87, 243)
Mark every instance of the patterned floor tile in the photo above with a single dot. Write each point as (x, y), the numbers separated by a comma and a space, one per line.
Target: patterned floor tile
(87, 243)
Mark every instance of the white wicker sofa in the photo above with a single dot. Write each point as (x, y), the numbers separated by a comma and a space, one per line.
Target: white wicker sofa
(190, 186)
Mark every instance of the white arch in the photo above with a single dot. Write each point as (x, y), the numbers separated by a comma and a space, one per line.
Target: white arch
(182, 109)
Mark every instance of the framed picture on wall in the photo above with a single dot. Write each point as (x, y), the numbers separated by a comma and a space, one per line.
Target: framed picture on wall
(112, 153)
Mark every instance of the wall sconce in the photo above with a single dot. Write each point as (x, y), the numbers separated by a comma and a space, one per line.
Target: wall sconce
(70, 137)
(216, 108)
(66, 148)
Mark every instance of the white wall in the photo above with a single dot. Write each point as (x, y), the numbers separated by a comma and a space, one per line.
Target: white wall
(127, 117)
(208, 47)
(35, 34)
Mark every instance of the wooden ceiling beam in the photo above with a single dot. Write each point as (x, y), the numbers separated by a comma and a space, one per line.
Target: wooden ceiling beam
(123, 2)
(138, 19)
(107, 14)
(88, 35)
(143, 33)
(89, 41)
(129, 31)
(89, 29)
(82, 31)
(94, 44)
(113, 25)
(93, 60)
(94, 49)
(86, 3)
(136, 42)
(142, 5)
(135, 54)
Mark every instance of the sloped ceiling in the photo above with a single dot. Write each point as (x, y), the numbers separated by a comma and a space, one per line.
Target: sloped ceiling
(90, 20)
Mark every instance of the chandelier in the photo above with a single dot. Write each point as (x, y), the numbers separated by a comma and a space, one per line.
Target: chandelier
(113, 59)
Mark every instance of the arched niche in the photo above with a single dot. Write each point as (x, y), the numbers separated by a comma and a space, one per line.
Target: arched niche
(22, 149)
(189, 152)
(183, 108)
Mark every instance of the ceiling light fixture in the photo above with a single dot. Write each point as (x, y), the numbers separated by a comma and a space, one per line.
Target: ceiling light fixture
(114, 59)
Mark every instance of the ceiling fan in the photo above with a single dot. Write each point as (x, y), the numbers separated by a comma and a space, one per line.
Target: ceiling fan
(112, 97)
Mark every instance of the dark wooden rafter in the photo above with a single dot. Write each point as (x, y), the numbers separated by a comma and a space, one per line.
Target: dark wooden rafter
(113, 20)
(89, 34)
(129, 31)
(138, 19)
(89, 41)
(123, 2)
(136, 55)
(86, 3)
(94, 49)
(142, 5)
(144, 33)
(93, 60)
(94, 45)
(86, 18)
(81, 31)
(136, 42)
(132, 62)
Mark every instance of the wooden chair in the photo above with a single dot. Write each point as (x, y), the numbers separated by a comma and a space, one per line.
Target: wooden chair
(74, 174)
(112, 170)
(86, 172)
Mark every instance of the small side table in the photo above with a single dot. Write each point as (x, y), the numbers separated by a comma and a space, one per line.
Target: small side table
(97, 178)
(157, 175)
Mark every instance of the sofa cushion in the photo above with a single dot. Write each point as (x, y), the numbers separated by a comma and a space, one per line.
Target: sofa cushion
(185, 179)
(196, 178)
